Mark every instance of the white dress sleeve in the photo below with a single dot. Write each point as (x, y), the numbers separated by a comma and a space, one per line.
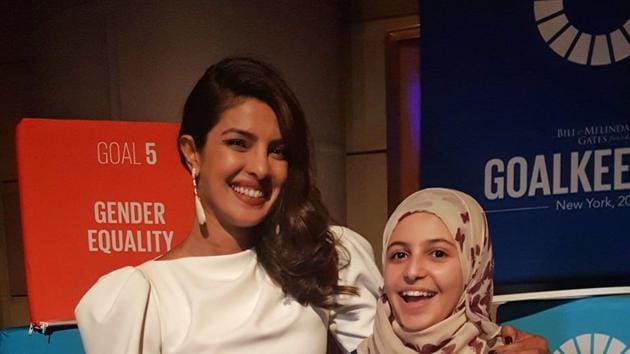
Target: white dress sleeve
(117, 315)
(353, 320)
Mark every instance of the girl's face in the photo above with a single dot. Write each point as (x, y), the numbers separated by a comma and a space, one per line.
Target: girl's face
(242, 166)
(423, 277)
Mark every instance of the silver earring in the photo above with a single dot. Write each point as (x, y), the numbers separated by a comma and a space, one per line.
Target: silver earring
(277, 229)
(201, 215)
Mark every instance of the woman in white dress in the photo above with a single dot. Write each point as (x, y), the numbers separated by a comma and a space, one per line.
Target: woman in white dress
(262, 269)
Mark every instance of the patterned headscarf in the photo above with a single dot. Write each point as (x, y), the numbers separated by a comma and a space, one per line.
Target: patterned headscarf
(469, 328)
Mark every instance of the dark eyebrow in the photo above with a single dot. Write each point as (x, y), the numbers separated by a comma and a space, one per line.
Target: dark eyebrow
(398, 243)
(440, 240)
(249, 135)
(239, 131)
(430, 242)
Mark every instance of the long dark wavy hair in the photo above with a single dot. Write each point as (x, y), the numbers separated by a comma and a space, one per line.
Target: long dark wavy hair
(303, 256)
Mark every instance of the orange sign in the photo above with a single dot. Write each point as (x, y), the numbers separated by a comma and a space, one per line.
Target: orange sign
(95, 196)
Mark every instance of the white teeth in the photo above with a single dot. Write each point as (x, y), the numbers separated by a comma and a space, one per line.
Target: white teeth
(250, 192)
(418, 293)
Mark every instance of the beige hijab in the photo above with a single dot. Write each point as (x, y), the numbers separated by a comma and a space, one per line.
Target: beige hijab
(468, 329)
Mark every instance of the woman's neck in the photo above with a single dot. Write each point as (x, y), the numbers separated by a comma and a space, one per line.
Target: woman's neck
(212, 239)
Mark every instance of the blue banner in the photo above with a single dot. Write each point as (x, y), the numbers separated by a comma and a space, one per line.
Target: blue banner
(526, 106)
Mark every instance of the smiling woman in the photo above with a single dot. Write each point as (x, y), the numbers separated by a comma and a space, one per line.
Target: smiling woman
(241, 167)
(262, 269)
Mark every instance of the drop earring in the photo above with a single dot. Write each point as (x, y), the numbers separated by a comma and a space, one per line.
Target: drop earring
(201, 215)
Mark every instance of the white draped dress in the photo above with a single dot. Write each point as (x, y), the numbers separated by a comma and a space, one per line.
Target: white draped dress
(222, 304)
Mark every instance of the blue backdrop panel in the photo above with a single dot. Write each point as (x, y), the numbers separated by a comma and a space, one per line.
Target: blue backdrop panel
(526, 106)
(60, 341)
(590, 325)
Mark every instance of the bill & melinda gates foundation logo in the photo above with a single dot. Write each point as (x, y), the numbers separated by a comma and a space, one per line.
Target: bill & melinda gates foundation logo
(593, 343)
(586, 32)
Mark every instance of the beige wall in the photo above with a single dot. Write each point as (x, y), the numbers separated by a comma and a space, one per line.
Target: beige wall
(138, 60)
(365, 119)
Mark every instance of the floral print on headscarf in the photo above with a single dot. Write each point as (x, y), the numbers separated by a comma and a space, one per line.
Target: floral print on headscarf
(469, 328)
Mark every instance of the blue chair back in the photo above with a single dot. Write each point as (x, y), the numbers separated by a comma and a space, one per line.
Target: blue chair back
(59, 341)
(598, 325)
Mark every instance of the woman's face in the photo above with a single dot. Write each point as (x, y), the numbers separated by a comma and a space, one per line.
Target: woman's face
(242, 166)
(423, 277)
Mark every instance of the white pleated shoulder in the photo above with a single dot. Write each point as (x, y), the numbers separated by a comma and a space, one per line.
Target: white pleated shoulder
(222, 304)
(353, 320)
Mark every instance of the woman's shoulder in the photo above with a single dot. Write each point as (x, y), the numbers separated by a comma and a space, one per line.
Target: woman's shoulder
(121, 288)
(116, 314)
(353, 319)
(351, 239)
(356, 256)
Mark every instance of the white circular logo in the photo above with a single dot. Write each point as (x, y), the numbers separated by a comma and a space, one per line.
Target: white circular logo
(577, 45)
(592, 343)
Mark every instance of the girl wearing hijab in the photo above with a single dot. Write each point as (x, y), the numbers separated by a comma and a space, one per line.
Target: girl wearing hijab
(438, 268)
